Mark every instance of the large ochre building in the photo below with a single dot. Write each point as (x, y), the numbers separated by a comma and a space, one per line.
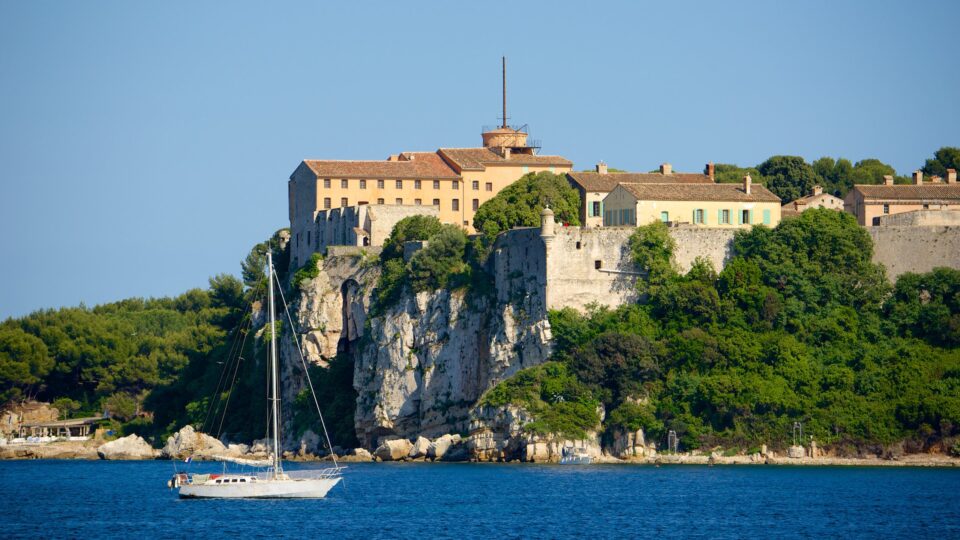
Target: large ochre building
(456, 181)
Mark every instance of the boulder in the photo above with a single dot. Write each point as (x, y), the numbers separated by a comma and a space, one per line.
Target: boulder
(420, 448)
(129, 447)
(357, 455)
(439, 447)
(188, 442)
(394, 450)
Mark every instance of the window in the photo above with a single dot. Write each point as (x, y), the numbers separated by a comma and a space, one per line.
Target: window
(578, 245)
(698, 216)
(597, 265)
(476, 185)
(417, 202)
(344, 184)
(379, 201)
(399, 201)
(595, 209)
(886, 209)
(399, 184)
(379, 184)
(326, 183)
(326, 203)
(436, 184)
(343, 202)
(456, 204)
(725, 217)
(665, 216)
(926, 207)
(745, 217)
(476, 204)
(363, 184)
(436, 202)
(489, 186)
(455, 184)
(416, 184)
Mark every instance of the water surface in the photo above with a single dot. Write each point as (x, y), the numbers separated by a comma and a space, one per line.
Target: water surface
(72, 499)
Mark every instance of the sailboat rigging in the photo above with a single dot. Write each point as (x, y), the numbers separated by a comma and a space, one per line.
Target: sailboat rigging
(274, 482)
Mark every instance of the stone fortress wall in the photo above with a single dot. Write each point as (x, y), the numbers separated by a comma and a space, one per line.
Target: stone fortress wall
(579, 266)
(915, 248)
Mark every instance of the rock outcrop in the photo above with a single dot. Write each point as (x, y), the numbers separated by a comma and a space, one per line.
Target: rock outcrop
(433, 355)
(188, 442)
(129, 447)
(393, 450)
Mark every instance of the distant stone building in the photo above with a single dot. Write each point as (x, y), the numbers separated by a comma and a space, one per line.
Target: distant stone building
(595, 186)
(701, 204)
(366, 225)
(818, 199)
(869, 203)
(450, 183)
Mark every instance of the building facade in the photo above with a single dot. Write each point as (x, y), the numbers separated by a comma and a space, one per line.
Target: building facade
(706, 205)
(595, 186)
(454, 181)
(869, 203)
(817, 199)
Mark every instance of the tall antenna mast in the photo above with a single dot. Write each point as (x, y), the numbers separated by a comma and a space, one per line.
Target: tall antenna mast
(504, 58)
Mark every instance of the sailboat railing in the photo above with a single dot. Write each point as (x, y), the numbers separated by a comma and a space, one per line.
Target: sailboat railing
(308, 474)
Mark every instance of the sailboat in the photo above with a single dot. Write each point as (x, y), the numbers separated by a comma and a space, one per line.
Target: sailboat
(274, 483)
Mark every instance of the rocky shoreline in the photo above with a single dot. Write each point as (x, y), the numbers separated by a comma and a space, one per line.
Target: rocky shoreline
(448, 449)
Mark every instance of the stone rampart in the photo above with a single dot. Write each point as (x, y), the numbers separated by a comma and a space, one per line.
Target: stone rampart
(914, 248)
(576, 267)
(922, 218)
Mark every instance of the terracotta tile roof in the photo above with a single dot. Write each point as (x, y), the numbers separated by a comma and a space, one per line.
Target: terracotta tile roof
(476, 159)
(423, 165)
(910, 192)
(594, 181)
(700, 192)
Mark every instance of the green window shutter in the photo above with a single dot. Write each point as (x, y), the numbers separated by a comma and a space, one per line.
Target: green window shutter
(766, 217)
(739, 217)
(720, 217)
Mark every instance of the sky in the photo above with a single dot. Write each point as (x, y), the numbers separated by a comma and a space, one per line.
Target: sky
(145, 147)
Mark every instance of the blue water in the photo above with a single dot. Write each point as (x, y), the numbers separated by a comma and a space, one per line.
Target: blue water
(79, 499)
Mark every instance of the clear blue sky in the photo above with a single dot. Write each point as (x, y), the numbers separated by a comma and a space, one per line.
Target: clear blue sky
(146, 146)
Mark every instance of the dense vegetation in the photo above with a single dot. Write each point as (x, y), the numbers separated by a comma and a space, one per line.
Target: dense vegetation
(800, 326)
(451, 260)
(791, 177)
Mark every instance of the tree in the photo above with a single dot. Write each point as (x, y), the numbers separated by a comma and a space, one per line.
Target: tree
(23, 362)
(408, 229)
(438, 264)
(726, 173)
(945, 158)
(520, 204)
(789, 177)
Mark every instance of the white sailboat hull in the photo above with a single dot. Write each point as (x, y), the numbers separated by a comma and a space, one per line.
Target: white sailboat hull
(307, 488)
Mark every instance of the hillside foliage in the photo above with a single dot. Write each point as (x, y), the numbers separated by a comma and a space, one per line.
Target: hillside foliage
(799, 326)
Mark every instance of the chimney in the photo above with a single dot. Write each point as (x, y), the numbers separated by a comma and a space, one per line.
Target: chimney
(951, 176)
(918, 178)
(888, 180)
(817, 190)
(666, 168)
(936, 179)
(602, 168)
(746, 184)
(710, 170)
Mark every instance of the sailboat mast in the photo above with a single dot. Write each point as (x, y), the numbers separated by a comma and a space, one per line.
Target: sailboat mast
(274, 372)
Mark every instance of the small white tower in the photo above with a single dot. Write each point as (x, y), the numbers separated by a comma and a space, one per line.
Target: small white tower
(546, 224)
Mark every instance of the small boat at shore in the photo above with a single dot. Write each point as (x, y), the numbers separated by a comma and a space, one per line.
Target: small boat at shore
(574, 456)
(273, 482)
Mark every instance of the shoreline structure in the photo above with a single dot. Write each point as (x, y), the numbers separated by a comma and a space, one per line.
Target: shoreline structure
(88, 450)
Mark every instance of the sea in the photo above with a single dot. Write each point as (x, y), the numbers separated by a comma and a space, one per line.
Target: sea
(104, 499)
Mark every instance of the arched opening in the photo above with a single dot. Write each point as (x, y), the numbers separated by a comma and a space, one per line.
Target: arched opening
(352, 324)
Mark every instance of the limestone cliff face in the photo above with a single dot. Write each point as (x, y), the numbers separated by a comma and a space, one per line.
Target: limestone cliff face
(429, 359)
